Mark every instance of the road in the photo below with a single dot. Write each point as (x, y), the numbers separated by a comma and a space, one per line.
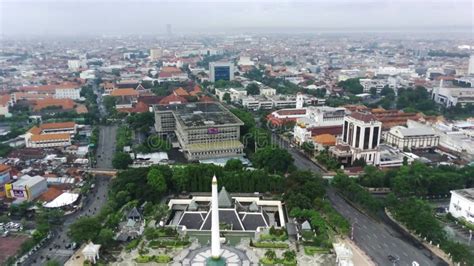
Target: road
(55, 249)
(301, 162)
(375, 238)
(106, 148)
(379, 240)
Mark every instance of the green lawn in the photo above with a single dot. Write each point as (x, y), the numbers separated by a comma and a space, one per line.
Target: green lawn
(311, 251)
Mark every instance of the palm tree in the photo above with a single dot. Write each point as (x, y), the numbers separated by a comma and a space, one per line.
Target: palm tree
(289, 255)
(270, 254)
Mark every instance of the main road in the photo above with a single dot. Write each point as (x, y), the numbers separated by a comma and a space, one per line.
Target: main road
(377, 239)
(58, 247)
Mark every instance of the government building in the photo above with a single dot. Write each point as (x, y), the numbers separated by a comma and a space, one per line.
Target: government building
(203, 130)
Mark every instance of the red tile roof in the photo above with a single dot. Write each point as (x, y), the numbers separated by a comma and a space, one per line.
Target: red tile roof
(65, 104)
(173, 98)
(124, 92)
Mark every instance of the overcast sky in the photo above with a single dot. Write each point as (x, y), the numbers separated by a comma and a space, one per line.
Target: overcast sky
(78, 17)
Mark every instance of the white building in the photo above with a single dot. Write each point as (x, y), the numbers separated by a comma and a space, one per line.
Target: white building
(360, 139)
(76, 65)
(236, 94)
(470, 70)
(267, 91)
(412, 138)
(155, 54)
(245, 61)
(451, 95)
(461, 204)
(322, 116)
(88, 74)
(73, 93)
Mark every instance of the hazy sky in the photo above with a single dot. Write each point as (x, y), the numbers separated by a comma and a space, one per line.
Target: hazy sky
(78, 17)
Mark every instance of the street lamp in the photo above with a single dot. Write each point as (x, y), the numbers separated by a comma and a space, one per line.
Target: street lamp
(470, 236)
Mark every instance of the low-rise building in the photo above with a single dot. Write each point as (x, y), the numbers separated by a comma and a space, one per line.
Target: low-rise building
(26, 188)
(461, 204)
(453, 93)
(235, 94)
(73, 93)
(50, 135)
(412, 138)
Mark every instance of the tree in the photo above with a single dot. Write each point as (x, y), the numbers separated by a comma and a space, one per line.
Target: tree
(270, 254)
(109, 103)
(233, 165)
(105, 237)
(84, 229)
(289, 255)
(273, 159)
(226, 98)
(308, 147)
(157, 181)
(121, 160)
(253, 89)
(373, 91)
(351, 85)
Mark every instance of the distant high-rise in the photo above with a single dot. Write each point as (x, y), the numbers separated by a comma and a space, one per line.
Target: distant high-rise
(155, 53)
(168, 30)
(221, 71)
(470, 70)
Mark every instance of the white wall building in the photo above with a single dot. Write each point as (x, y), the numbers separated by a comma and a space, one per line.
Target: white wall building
(68, 93)
(470, 70)
(75, 65)
(451, 95)
(461, 204)
(412, 138)
(236, 94)
(322, 116)
(360, 139)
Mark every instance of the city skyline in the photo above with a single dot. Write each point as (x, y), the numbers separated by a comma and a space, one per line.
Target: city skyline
(76, 18)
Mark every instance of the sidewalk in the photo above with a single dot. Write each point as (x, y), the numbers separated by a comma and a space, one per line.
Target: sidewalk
(359, 258)
(435, 249)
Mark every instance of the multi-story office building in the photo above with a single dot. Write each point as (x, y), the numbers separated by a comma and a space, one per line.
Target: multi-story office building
(155, 54)
(360, 139)
(203, 130)
(221, 71)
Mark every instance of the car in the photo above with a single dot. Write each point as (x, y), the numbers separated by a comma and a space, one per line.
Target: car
(393, 258)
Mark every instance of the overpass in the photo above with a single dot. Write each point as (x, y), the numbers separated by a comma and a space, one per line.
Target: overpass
(100, 171)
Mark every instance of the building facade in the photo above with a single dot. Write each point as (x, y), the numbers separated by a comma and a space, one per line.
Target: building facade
(461, 204)
(68, 93)
(203, 130)
(412, 138)
(361, 135)
(221, 71)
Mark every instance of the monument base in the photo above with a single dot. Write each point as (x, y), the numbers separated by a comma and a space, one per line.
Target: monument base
(215, 262)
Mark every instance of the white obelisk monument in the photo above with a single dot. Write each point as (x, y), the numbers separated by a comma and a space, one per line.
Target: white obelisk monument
(215, 235)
